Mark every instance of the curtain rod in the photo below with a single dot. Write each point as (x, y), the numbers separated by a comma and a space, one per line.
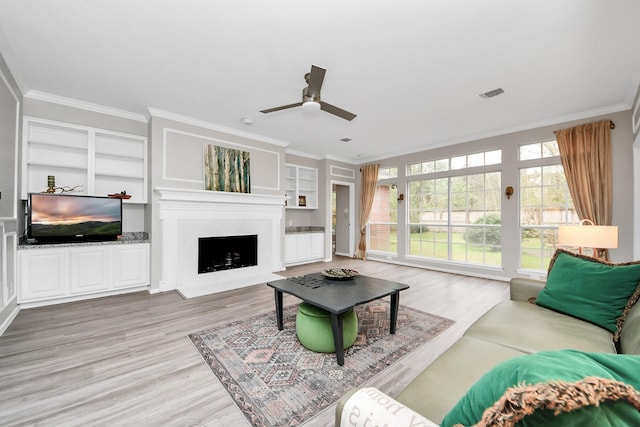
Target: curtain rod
(611, 126)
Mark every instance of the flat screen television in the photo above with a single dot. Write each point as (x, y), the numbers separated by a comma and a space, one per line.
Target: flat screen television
(61, 218)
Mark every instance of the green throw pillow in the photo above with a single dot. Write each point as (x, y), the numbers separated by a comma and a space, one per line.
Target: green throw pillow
(564, 365)
(589, 289)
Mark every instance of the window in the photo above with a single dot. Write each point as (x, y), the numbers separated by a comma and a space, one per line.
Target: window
(383, 220)
(476, 219)
(428, 167)
(545, 203)
(477, 159)
(539, 150)
(429, 218)
(456, 217)
(385, 173)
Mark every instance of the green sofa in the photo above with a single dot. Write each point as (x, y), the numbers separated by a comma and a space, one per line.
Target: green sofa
(510, 329)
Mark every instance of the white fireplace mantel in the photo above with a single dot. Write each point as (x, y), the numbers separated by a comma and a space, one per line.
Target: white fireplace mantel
(186, 215)
(204, 196)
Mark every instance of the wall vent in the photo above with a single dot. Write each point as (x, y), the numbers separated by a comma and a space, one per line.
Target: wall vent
(491, 93)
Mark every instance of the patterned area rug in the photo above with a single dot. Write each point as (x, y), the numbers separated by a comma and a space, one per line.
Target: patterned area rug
(277, 382)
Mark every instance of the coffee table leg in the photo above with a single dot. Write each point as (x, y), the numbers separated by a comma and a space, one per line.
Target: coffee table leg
(395, 303)
(278, 297)
(336, 325)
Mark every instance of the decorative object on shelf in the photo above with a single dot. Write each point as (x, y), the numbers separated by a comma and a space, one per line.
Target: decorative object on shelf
(51, 184)
(339, 273)
(52, 189)
(226, 169)
(302, 200)
(120, 195)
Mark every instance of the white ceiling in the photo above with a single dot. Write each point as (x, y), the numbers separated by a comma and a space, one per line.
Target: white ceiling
(412, 70)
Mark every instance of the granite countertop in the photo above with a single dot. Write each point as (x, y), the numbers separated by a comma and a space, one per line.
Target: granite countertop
(126, 238)
(304, 229)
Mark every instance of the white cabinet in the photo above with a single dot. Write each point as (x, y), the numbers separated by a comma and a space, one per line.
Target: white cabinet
(131, 265)
(301, 187)
(42, 274)
(317, 245)
(67, 273)
(98, 161)
(290, 248)
(89, 269)
(301, 248)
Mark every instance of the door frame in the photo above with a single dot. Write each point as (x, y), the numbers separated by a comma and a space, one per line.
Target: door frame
(352, 218)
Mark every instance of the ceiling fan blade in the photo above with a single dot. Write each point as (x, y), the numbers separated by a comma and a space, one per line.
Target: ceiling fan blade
(284, 107)
(316, 77)
(337, 111)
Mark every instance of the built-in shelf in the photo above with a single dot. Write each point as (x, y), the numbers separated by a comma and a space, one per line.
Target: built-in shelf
(301, 187)
(98, 161)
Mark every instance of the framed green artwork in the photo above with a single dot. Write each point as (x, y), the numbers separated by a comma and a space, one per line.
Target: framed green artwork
(226, 169)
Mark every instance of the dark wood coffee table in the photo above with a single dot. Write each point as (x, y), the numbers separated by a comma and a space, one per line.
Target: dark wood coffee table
(338, 297)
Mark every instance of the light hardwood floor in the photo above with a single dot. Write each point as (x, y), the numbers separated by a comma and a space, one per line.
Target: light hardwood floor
(126, 360)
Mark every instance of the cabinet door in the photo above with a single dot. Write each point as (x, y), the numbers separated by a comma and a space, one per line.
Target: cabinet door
(44, 273)
(290, 248)
(90, 269)
(131, 266)
(303, 244)
(317, 245)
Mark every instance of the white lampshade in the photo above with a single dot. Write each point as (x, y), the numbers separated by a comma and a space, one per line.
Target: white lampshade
(589, 236)
(311, 106)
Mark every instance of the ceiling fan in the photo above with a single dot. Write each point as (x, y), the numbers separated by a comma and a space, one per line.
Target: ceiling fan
(311, 97)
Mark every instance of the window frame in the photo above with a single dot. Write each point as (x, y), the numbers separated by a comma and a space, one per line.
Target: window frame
(451, 173)
(541, 162)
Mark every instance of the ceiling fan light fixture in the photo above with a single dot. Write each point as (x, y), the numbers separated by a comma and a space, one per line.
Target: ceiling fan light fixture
(311, 106)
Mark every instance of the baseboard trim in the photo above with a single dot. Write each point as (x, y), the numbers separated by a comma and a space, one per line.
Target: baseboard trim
(5, 325)
(33, 304)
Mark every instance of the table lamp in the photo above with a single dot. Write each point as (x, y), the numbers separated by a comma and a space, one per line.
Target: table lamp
(588, 235)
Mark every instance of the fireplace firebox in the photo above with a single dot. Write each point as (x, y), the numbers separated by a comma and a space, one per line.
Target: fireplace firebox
(227, 253)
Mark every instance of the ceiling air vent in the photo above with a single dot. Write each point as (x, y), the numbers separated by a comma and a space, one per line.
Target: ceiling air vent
(492, 93)
(345, 139)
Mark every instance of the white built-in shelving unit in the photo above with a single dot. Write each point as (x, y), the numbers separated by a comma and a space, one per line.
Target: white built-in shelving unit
(301, 181)
(102, 162)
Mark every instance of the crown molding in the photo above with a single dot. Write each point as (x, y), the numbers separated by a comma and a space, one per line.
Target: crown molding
(303, 154)
(84, 105)
(316, 157)
(155, 112)
(341, 159)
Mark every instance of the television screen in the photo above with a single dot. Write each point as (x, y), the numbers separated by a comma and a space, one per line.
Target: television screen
(65, 218)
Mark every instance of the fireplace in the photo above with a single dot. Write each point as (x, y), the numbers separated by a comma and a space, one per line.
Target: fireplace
(227, 253)
(186, 215)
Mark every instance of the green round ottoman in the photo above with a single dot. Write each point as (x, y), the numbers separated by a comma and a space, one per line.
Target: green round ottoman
(313, 327)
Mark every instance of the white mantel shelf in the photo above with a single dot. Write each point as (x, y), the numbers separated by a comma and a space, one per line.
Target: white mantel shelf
(204, 196)
(187, 215)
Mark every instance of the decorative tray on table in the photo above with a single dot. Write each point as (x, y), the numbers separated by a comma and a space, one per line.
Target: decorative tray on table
(339, 273)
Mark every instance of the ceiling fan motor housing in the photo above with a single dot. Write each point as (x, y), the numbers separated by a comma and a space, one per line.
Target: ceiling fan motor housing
(309, 98)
